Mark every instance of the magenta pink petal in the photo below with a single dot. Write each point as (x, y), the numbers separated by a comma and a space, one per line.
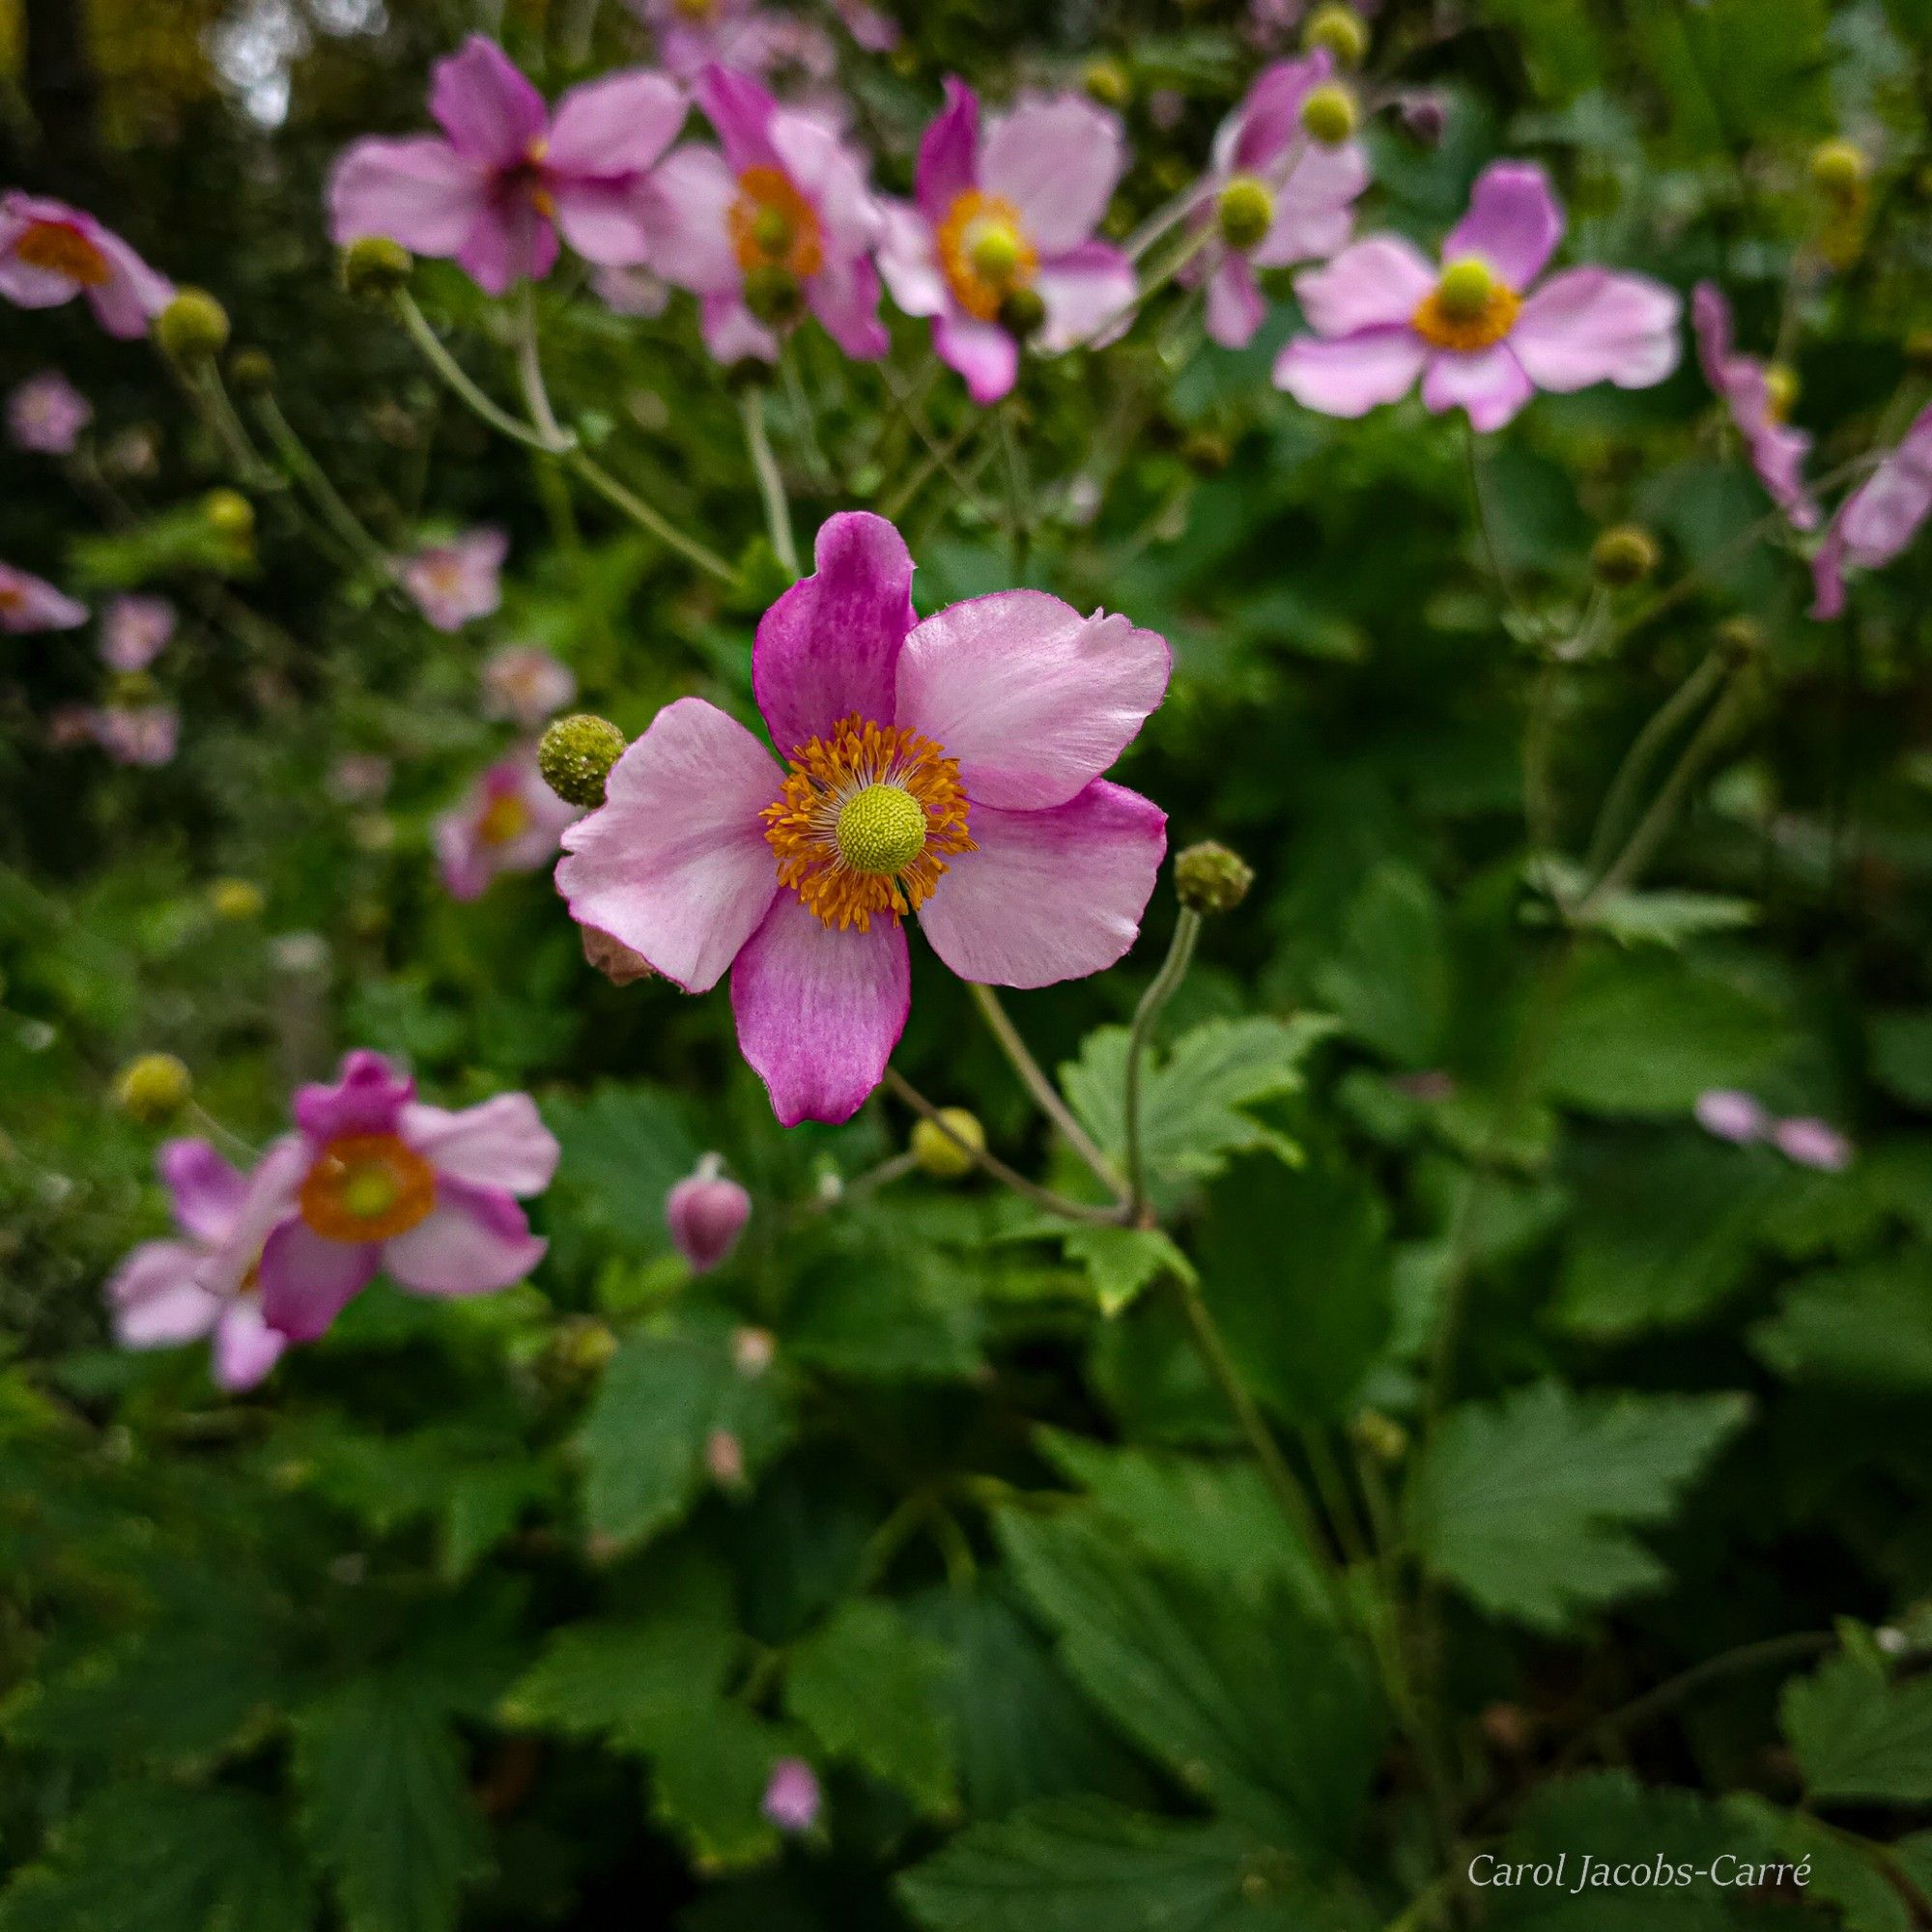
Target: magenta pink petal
(155, 1297)
(1592, 325)
(491, 112)
(1491, 386)
(508, 244)
(205, 1191)
(1376, 283)
(675, 863)
(1268, 122)
(500, 1144)
(614, 127)
(420, 192)
(308, 1281)
(742, 112)
(367, 1098)
(474, 1241)
(270, 1200)
(844, 296)
(983, 352)
(1514, 222)
(1058, 161)
(245, 1347)
(1048, 895)
(1353, 374)
(819, 1010)
(948, 152)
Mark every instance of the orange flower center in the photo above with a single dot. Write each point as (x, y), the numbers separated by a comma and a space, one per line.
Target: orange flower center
(694, 10)
(12, 597)
(531, 176)
(366, 1188)
(984, 253)
(773, 225)
(867, 819)
(61, 248)
(506, 817)
(1467, 309)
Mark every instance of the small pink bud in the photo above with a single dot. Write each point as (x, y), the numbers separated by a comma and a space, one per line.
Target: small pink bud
(724, 1459)
(792, 1796)
(753, 1351)
(707, 1214)
(1732, 1116)
(1814, 1142)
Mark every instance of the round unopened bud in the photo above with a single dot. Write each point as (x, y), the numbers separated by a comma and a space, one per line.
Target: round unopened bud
(724, 1459)
(707, 1214)
(1424, 116)
(581, 1345)
(1740, 638)
(773, 296)
(1341, 29)
(1209, 877)
(1244, 212)
(1205, 451)
(1622, 555)
(375, 268)
(228, 514)
(132, 689)
(235, 899)
(1381, 1436)
(1328, 114)
(1022, 313)
(192, 329)
(575, 756)
(251, 371)
(1839, 168)
(937, 1150)
(153, 1087)
(1107, 81)
(1918, 351)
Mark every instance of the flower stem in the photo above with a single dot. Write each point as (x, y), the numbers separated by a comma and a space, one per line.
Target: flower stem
(328, 500)
(1166, 982)
(1660, 728)
(634, 506)
(770, 482)
(457, 380)
(1484, 529)
(530, 373)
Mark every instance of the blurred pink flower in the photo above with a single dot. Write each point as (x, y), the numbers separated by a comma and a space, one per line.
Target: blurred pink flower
(1270, 22)
(1006, 214)
(638, 292)
(455, 582)
(876, 32)
(1878, 519)
(525, 684)
(47, 414)
(505, 174)
(1814, 1142)
(29, 602)
(1758, 399)
(359, 778)
(375, 1179)
(1383, 316)
(950, 768)
(204, 1284)
(724, 1459)
(1731, 1116)
(707, 1214)
(791, 1798)
(690, 34)
(49, 253)
(509, 821)
(785, 210)
(1310, 191)
(143, 733)
(134, 631)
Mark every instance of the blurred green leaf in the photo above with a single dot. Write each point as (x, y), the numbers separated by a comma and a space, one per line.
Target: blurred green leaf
(1860, 1736)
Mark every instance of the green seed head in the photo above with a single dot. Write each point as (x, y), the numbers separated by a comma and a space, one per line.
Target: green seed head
(375, 268)
(1341, 29)
(1210, 878)
(881, 830)
(1464, 289)
(193, 327)
(1244, 212)
(251, 371)
(1623, 555)
(228, 514)
(1108, 82)
(940, 1155)
(1328, 114)
(235, 899)
(1839, 168)
(575, 756)
(153, 1087)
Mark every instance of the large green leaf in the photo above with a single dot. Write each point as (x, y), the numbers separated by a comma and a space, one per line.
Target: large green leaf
(623, 1147)
(1860, 1735)
(1389, 980)
(1867, 1326)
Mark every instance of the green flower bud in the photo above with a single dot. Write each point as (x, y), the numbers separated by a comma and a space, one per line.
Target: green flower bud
(1108, 82)
(153, 1087)
(251, 370)
(235, 899)
(1839, 168)
(1740, 638)
(1623, 555)
(192, 329)
(1341, 29)
(1022, 313)
(375, 268)
(228, 514)
(1244, 212)
(575, 756)
(1329, 116)
(936, 1152)
(1210, 878)
(1205, 452)
(773, 296)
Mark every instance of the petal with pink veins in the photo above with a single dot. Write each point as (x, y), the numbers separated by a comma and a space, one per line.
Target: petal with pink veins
(474, 1241)
(420, 192)
(1353, 374)
(1591, 325)
(489, 110)
(1489, 385)
(1376, 283)
(307, 1281)
(1514, 222)
(1058, 161)
(508, 242)
(501, 1144)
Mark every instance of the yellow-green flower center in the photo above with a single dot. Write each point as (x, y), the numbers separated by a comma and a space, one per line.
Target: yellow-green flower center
(771, 229)
(1463, 293)
(1246, 212)
(1780, 389)
(1328, 114)
(995, 250)
(369, 1192)
(881, 830)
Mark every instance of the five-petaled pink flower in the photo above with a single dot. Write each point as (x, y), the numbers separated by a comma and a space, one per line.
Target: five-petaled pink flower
(506, 175)
(1303, 190)
(204, 1284)
(1759, 397)
(1878, 519)
(510, 821)
(376, 1180)
(455, 582)
(782, 221)
(49, 253)
(47, 414)
(950, 768)
(134, 631)
(1474, 329)
(1003, 222)
(525, 684)
(29, 602)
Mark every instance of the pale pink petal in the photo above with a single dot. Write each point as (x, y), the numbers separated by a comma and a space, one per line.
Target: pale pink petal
(846, 298)
(368, 1096)
(307, 1281)
(1313, 210)
(271, 1199)
(1879, 518)
(1234, 305)
(675, 865)
(615, 126)
(501, 1144)
(245, 1347)
(473, 1241)
(609, 224)
(684, 206)
(909, 261)
(1031, 699)
(826, 649)
(1711, 323)
(742, 112)
(1048, 895)
(732, 334)
(155, 1297)
(420, 192)
(491, 112)
(1489, 385)
(205, 1191)
(831, 178)
(983, 352)
(1376, 283)
(819, 1010)
(1353, 374)
(948, 154)
(1591, 325)
(1089, 293)
(1514, 222)
(132, 295)
(1058, 161)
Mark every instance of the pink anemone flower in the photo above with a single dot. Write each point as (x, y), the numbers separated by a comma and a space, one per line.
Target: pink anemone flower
(1009, 216)
(377, 1181)
(950, 768)
(1308, 190)
(47, 414)
(505, 174)
(1758, 396)
(49, 253)
(782, 217)
(29, 602)
(692, 35)
(525, 684)
(140, 732)
(1474, 329)
(134, 631)
(1878, 519)
(509, 822)
(204, 1284)
(455, 582)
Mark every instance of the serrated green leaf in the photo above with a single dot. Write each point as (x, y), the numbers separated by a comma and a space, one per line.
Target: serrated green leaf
(710, 1765)
(1389, 979)
(622, 1150)
(1867, 1326)
(615, 1675)
(1859, 1735)
(1121, 1261)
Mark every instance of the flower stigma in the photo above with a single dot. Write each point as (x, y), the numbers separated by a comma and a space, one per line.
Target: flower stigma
(1467, 309)
(366, 1188)
(984, 252)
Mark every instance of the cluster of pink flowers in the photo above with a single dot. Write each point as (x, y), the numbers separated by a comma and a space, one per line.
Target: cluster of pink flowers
(372, 1180)
(1744, 1120)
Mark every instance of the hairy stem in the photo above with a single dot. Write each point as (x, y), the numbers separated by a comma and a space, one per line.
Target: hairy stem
(1662, 726)
(1166, 982)
(1033, 1077)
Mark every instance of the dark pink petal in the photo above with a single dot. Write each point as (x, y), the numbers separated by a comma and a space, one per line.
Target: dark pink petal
(1089, 293)
(614, 127)
(1058, 161)
(1234, 305)
(308, 1281)
(1514, 222)
(819, 1010)
(1590, 325)
(707, 1214)
(983, 352)
(1489, 385)
(205, 1191)
(742, 112)
(245, 1347)
(474, 1241)
(501, 1144)
(155, 1299)
(674, 864)
(1048, 895)
(1034, 699)
(1353, 374)
(491, 112)
(826, 649)
(1372, 284)
(846, 298)
(420, 192)
(1268, 122)
(948, 152)
(1711, 323)
(508, 244)
(368, 1098)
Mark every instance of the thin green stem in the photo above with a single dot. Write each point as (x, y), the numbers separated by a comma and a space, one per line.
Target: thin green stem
(1662, 724)
(1019, 492)
(530, 374)
(803, 423)
(1484, 529)
(1166, 982)
(328, 500)
(894, 1167)
(457, 380)
(770, 482)
(1333, 1488)
(640, 513)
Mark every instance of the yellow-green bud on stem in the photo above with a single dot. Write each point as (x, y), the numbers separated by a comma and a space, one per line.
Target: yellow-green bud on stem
(1740, 638)
(192, 329)
(230, 514)
(1623, 555)
(1208, 877)
(375, 268)
(1328, 114)
(153, 1087)
(1244, 212)
(1108, 82)
(575, 756)
(251, 370)
(235, 899)
(1839, 168)
(1381, 1436)
(1022, 313)
(939, 1153)
(1341, 29)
